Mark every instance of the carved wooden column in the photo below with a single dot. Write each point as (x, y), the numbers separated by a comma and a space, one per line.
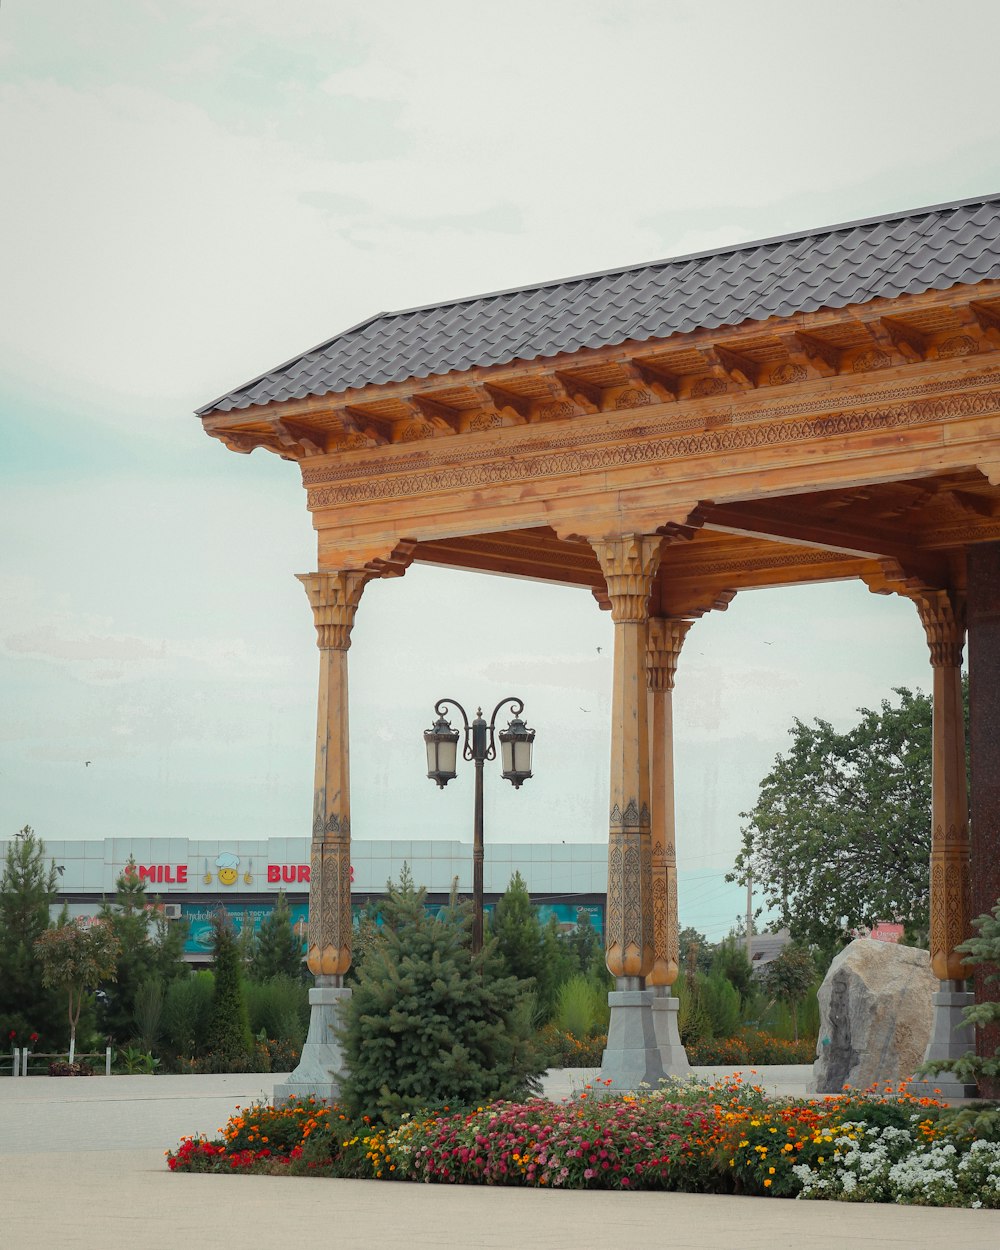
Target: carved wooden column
(942, 614)
(334, 598)
(665, 637)
(629, 565)
(983, 563)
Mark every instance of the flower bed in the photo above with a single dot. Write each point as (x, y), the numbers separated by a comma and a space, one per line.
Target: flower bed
(752, 1047)
(726, 1138)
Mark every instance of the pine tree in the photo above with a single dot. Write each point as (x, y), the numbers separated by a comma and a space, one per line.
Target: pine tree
(429, 1023)
(586, 947)
(229, 1042)
(277, 950)
(27, 890)
(530, 950)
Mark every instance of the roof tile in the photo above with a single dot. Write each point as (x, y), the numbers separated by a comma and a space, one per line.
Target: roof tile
(929, 249)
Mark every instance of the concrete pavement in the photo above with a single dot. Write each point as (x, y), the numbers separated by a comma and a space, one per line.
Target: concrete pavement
(81, 1165)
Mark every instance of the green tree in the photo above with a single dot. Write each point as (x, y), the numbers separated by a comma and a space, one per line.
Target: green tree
(187, 1008)
(695, 951)
(841, 826)
(531, 951)
(229, 1044)
(587, 949)
(77, 960)
(429, 1023)
(151, 949)
(27, 890)
(729, 960)
(277, 951)
(789, 978)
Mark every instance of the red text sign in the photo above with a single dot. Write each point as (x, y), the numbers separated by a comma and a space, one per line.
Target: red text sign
(290, 874)
(161, 874)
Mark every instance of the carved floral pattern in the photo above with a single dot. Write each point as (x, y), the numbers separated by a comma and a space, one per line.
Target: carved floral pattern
(786, 373)
(506, 467)
(633, 398)
(958, 345)
(329, 941)
(874, 358)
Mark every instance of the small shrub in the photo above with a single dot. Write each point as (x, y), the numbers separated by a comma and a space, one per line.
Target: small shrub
(563, 1050)
(62, 1068)
(581, 1007)
(279, 1008)
(187, 1007)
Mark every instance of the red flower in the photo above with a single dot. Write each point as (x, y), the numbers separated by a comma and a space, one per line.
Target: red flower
(33, 1038)
(12, 1034)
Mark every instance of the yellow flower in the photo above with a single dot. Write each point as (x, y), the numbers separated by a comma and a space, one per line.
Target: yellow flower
(766, 1184)
(770, 1171)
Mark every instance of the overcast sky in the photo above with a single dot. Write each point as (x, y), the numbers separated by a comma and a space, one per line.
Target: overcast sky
(194, 192)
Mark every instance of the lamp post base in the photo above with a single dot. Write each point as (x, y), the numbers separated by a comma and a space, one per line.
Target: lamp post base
(322, 1061)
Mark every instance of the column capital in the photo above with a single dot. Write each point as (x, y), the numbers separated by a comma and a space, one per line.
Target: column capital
(629, 565)
(664, 638)
(334, 598)
(942, 614)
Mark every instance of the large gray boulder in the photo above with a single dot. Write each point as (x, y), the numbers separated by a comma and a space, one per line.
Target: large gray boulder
(875, 1015)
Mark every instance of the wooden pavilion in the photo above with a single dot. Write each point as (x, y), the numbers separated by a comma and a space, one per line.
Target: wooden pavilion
(818, 406)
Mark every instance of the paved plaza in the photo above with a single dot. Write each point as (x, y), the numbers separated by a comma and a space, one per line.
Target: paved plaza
(81, 1165)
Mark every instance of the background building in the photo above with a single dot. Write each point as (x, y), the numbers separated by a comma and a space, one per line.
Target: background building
(192, 879)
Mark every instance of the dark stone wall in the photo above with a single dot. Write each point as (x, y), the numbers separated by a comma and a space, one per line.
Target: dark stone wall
(984, 746)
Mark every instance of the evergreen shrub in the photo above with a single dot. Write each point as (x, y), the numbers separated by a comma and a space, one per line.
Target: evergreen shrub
(430, 1024)
(229, 1045)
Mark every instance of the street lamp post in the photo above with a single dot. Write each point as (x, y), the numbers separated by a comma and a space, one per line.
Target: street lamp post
(516, 741)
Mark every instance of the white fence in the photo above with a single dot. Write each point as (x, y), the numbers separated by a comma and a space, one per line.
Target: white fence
(21, 1054)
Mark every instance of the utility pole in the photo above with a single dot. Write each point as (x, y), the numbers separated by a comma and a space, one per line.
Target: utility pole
(749, 917)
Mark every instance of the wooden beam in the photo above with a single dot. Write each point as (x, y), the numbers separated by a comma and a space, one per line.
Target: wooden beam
(506, 402)
(909, 342)
(298, 438)
(727, 363)
(822, 357)
(988, 320)
(664, 385)
(439, 415)
(583, 394)
(833, 536)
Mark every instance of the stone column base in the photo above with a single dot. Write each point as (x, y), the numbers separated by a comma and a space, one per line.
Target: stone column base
(322, 1062)
(951, 1038)
(673, 1056)
(632, 1059)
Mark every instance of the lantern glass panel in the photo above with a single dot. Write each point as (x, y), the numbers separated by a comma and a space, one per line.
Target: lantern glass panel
(447, 756)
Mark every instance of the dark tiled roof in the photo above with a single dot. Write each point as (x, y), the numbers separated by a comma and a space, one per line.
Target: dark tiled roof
(927, 249)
